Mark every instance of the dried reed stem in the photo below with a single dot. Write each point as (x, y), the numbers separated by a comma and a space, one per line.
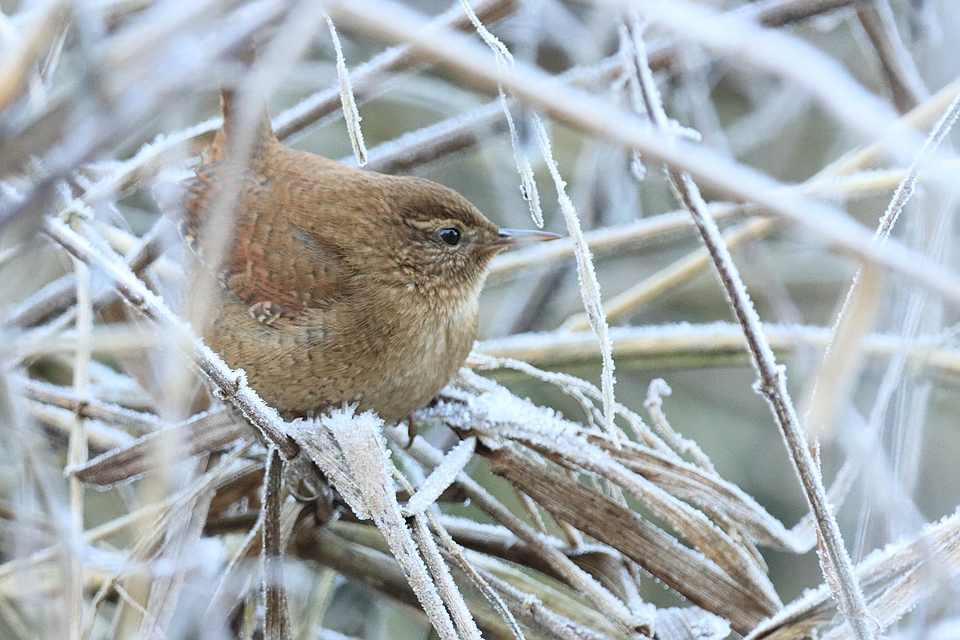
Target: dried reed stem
(772, 383)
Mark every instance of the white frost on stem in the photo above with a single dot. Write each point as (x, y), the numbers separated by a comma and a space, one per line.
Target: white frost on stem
(351, 451)
(442, 477)
(528, 183)
(589, 285)
(772, 380)
(350, 113)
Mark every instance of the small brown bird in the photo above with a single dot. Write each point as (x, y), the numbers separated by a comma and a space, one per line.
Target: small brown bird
(338, 285)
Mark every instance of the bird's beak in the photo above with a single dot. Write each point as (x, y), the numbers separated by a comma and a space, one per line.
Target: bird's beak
(516, 237)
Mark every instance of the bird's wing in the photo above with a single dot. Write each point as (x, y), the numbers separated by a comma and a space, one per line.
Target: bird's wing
(272, 265)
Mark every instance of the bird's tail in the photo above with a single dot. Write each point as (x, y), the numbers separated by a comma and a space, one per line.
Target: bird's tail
(246, 128)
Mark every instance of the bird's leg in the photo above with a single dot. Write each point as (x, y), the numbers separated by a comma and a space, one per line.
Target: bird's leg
(411, 431)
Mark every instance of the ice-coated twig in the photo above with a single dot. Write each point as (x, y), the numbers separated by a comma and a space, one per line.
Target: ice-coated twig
(126, 174)
(350, 113)
(143, 517)
(475, 576)
(772, 384)
(446, 587)
(780, 53)
(368, 76)
(582, 581)
(231, 385)
(528, 183)
(180, 539)
(364, 463)
(464, 130)
(917, 317)
(442, 477)
(513, 422)
(619, 527)
(499, 49)
(656, 391)
(824, 185)
(840, 367)
(430, 551)
(769, 14)
(59, 295)
(77, 446)
(670, 277)
(777, 13)
(896, 578)
(176, 508)
(135, 422)
(702, 344)
(927, 111)
(580, 390)
(589, 285)
(201, 433)
(100, 437)
(598, 117)
(907, 185)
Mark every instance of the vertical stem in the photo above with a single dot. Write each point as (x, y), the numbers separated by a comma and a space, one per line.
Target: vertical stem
(772, 384)
(77, 453)
(277, 624)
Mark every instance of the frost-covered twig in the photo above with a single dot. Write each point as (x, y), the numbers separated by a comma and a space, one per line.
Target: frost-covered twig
(598, 117)
(895, 578)
(582, 581)
(77, 448)
(201, 433)
(772, 383)
(704, 345)
(231, 385)
(347, 99)
(782, 54)
(589, 285)
(135, 422)
(825, 184)
(657, 389)
(927, 111)
(670, 277)
(350, 450)
(366, 77)
(528, 183)
(276, 620)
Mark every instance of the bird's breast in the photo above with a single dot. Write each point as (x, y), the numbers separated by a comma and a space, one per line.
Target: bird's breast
(422, 346)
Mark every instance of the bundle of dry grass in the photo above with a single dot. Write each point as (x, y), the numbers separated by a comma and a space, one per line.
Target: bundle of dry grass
(147, 491)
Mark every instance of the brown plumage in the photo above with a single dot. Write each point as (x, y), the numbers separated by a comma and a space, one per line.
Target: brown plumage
(337, 285)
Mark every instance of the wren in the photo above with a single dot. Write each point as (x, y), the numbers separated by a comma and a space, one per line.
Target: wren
(337, 285)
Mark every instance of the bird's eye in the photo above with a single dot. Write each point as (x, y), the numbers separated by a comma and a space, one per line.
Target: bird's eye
(449, 235)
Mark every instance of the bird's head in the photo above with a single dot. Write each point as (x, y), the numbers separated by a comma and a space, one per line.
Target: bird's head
(443, 242)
